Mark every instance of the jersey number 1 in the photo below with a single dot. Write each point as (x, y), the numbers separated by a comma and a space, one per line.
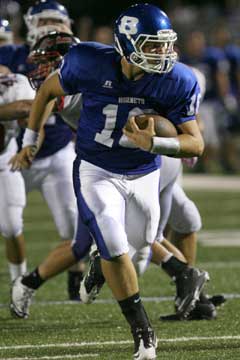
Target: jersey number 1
(110, 111)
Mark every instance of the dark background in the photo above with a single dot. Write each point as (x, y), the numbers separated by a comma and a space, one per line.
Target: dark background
(105, 11)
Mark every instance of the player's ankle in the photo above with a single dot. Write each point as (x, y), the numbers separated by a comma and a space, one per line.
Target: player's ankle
(174, 267)
(33, 280)
(134, 312)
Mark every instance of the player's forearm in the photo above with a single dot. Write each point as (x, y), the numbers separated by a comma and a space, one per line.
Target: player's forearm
(190, 145)
(41, 108)
(16, 110)
(184, 145)
(37, 114)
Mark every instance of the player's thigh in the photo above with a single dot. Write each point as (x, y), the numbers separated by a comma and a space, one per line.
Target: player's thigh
(58, 192)
(165, 199)
(102, 207)
(59, 195)
(143, 211)
(184, 216)
(13, 201)
(35, 175)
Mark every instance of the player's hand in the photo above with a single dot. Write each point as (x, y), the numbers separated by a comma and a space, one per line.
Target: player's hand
(23, 159)
(141, 138)
(190, 162)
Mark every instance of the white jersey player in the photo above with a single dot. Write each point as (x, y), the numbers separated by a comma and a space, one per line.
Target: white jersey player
(13, 87)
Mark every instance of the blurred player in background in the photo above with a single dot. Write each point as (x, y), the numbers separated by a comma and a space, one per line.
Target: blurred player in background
(51, 172)
(14, 93)
(215, 66)
(222, 39)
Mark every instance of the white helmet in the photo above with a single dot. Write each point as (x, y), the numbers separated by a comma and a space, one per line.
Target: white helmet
(46, 9)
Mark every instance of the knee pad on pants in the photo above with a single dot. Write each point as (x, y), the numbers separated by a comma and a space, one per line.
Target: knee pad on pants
(185, 217)
(11, 223)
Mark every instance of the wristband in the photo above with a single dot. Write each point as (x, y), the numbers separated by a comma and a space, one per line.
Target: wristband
(30, 138)
(165, 146)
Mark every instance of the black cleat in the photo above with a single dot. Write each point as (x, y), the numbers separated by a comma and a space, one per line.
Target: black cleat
(93, 281)
(202, 311)
(217, 300)
(145, 344)
(171, 317)
(73, 282)
(189, 285)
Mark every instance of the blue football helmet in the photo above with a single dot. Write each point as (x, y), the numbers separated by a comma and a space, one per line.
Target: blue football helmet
(5, 31)
(144, 36)
(45, 9)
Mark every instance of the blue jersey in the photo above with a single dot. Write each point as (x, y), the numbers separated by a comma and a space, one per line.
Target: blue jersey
(15, 58)
(57, 133)
(109, 99)
(209, 63)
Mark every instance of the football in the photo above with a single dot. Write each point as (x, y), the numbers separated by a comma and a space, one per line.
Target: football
(163, 127)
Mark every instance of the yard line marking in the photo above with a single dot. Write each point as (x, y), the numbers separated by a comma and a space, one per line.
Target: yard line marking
(54, 357)
(112, 301)
(219, 264)
(219, 238)
(209, 182)
(122, 342)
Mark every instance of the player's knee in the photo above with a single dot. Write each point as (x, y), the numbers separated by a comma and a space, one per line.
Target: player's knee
(111, 238)
(142, 259)
(159, 237)
(66, 232)
(188, 219)
(11, 228)
(80, 251)
(11, 222)
(66, 222)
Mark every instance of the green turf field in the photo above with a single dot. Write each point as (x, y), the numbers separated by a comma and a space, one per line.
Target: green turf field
(57, 330)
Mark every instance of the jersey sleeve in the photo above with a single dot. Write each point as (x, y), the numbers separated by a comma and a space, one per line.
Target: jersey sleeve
(23, 90)
(78, 69)
(70, 109)
(186, 101)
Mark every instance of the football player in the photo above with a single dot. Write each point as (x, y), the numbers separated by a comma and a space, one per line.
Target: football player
(51, 173)
(111, 181)
(215, 66)
(16, 97)
(62, 257)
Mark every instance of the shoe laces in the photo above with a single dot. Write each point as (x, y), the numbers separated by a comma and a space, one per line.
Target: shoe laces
(146, 335)
(27, 297)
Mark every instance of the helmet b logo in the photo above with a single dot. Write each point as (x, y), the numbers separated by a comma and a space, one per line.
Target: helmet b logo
(128, 25)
